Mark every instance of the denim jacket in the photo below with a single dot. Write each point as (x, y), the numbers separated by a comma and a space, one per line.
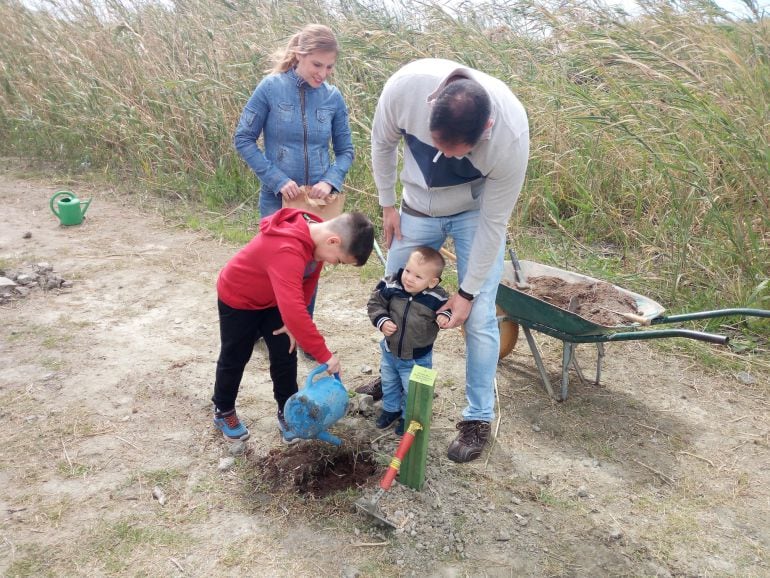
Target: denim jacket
(297, 121)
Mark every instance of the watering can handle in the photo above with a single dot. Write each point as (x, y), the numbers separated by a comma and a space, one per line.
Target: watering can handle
(320, 369)
(52, 204)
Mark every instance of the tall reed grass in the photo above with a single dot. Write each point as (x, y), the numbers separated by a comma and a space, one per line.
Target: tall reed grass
(649, 134)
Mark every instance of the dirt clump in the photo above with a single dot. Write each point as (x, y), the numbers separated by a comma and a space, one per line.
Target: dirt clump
(316, 469)
(597, 301)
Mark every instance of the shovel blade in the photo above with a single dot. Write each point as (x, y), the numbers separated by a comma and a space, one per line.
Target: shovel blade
(370, 508)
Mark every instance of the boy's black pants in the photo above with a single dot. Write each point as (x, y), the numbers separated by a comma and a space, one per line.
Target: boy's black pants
(238, 330)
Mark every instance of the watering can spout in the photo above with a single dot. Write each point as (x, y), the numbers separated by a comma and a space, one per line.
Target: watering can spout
(84, 206)
(325, 436)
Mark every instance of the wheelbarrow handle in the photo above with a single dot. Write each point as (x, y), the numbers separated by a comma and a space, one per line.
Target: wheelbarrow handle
(710, 315)
(655, 334)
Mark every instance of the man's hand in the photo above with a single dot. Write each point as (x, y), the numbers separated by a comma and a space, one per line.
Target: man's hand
(333, 365)
(388, 328)
(320, 191)
(290, 190)
(391, 224)
(460, 307)
(292, 341)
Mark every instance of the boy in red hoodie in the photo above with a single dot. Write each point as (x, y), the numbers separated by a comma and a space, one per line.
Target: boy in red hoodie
(264, 290)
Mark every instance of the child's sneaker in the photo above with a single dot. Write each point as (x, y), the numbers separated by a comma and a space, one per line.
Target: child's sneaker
(386, 418)
(231, 427)
(400, 427)
(287, 436)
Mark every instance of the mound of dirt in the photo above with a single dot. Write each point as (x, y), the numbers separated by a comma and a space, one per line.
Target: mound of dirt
(317, 469)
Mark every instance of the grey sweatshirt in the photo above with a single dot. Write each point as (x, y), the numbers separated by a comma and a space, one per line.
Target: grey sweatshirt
(489, 178)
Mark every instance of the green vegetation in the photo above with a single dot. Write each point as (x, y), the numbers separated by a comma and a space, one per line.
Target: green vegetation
(650, 162)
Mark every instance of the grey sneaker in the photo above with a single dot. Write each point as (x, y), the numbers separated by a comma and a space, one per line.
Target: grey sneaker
(287, 436)
(470, 442)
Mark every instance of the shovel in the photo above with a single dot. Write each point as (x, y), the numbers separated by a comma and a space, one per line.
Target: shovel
(370, 506)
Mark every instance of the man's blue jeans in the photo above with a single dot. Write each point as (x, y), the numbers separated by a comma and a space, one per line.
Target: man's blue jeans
(482, 336)
(395, 373)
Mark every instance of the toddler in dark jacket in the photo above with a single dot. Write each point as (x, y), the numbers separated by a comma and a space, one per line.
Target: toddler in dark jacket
(403, 306)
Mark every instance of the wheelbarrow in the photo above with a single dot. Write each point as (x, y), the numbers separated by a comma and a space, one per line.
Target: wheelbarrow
(530, 313)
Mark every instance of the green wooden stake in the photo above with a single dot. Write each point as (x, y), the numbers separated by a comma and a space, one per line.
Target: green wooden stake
(419, 407)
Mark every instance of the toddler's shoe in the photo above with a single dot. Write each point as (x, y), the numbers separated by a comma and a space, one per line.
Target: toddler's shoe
(400, 427)
(386, 418)
(231, 427)
(287, 436)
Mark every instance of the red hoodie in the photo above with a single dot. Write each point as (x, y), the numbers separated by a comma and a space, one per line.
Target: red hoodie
(271, 272)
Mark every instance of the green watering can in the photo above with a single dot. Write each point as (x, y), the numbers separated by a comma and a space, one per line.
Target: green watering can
(69, 208)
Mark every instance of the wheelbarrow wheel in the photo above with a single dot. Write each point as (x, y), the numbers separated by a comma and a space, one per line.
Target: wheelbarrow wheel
(509, 333)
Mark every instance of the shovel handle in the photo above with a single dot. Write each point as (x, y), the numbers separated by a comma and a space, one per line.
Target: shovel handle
(403, 448)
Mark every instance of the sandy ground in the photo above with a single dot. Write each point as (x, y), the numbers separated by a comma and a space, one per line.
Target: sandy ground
(104, 396)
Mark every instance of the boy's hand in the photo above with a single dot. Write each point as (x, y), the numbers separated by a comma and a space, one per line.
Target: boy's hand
(460, 308)
(333, 365)
(388, 328)
(292, 341)
(443, 321)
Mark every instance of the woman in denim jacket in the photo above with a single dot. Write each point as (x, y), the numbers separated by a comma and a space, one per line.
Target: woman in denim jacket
(298, 113)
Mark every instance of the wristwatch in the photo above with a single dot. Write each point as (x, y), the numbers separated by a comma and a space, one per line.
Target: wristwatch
(465, 294)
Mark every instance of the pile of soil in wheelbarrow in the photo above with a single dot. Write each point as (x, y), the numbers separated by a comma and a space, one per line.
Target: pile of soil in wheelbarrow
(597, 301)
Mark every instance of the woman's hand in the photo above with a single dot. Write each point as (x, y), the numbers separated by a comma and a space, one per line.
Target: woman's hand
(290, 190)
(320, 191)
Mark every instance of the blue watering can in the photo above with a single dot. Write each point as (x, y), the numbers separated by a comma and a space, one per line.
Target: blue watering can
(316, 407)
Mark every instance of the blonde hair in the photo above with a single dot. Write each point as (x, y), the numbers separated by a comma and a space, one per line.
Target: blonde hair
(312, 38)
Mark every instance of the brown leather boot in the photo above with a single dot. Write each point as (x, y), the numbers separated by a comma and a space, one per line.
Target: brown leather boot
(373, 388)
(470, 442)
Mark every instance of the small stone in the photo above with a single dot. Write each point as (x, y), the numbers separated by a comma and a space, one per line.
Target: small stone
(238, 448)
(225, 464)
(52, 283)
(503, 536)
(158, 494)
(350, 572)
(745, 378)
(24, 279)
(516, 500)
(27, 235)
(535, 427)
(43, 267)
(366, 369)
(616, 534)
(582, 492)
(6, 282)
(66, 284)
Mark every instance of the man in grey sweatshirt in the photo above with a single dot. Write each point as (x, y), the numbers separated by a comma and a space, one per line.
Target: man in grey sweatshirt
(466, 145)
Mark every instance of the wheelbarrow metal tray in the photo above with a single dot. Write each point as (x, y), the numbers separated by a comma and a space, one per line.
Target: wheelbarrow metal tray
(539, 314)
